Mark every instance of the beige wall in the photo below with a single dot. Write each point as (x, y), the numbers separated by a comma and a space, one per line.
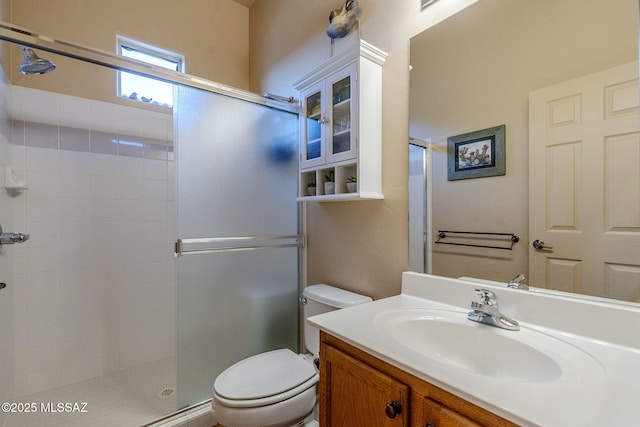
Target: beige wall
(361, 246)
(5, 14)
(504, 50)
(4, 10)
(213, 35)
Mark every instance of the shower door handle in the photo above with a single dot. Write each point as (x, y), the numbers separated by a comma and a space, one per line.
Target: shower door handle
(11, 238)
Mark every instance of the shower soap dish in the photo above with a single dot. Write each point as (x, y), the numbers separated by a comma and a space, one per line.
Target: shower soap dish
(10, 182)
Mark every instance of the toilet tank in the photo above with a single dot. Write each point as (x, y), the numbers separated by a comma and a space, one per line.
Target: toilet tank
(322, 299)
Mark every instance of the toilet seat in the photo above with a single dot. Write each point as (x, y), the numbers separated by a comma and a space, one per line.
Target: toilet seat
(279, 388)
(264, 379)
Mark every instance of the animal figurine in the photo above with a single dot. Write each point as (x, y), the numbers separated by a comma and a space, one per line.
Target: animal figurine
(341, 21)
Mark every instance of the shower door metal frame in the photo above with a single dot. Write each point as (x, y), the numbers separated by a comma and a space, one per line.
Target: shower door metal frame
(26, 37)
(427, 183)
(23, 36)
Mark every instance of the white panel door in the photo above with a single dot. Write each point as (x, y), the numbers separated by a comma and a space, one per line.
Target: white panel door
(584, 185)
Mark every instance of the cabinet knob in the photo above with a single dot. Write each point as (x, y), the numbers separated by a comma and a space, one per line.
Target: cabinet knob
(430, 425)
(392, 409)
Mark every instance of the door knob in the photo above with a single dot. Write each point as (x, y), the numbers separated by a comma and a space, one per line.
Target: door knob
(539, 244)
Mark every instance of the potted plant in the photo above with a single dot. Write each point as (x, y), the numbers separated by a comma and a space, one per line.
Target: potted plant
(330, 183)
(352, 184)
(311, 188)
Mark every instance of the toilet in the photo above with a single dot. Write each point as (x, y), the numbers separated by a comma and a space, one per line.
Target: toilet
(278, 388)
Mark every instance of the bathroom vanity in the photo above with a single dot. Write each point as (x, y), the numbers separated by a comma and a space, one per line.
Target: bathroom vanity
(416, 360)
(355, 385)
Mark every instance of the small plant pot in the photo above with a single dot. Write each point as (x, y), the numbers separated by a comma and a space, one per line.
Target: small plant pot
(312, 191)
(329, 188)
(352, 187)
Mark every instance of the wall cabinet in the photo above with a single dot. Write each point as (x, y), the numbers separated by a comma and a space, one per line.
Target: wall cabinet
(341, 126)
(357, 389)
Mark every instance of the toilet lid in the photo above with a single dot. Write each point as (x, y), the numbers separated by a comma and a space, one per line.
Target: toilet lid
(264, 375)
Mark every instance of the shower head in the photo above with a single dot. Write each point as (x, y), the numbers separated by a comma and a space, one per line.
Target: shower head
(33, 64)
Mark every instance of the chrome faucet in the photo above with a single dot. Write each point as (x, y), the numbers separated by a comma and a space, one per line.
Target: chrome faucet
(486, 311)
(11, 238)
(516, 283)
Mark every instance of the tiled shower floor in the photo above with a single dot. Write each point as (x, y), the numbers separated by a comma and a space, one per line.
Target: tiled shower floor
(130, 398)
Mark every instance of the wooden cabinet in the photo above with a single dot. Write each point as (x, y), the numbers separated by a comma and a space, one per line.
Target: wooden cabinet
(434, 414)
(341, 126)
(358, 395)
(357, 389)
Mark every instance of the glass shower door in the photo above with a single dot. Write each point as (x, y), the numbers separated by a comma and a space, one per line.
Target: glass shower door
(237, 228)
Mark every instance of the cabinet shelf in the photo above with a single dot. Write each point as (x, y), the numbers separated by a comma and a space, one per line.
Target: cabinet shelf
(343, 105)
(341, 197)
(342, 132)
(341, 171)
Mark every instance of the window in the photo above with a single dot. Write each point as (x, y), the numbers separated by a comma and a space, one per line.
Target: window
(146, 89)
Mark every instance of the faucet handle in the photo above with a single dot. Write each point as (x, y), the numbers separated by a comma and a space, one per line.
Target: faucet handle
(487, 296)
(517, 282)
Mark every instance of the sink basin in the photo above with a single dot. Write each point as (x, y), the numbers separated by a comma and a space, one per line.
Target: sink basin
(450, 339)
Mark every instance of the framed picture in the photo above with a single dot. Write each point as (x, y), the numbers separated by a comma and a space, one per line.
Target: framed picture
(476, 154)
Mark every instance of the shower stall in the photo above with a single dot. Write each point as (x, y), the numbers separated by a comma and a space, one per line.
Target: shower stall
(164, 242)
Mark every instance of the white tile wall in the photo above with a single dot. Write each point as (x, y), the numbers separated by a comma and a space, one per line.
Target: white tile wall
(94, 287)
(6, 257)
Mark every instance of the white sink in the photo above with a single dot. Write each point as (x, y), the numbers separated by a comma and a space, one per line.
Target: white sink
(450, 339)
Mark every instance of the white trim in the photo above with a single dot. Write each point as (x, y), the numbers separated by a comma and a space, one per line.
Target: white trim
(363, 49)
(196, 415)
(151, 50)
(426, 3)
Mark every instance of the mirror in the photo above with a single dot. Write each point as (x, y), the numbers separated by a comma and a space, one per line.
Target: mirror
(475, 71)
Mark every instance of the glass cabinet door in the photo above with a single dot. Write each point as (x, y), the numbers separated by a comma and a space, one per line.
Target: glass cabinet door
(312, 150)
(341, 144)
(328, 120)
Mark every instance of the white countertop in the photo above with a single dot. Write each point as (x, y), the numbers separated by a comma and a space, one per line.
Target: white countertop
(606, 335)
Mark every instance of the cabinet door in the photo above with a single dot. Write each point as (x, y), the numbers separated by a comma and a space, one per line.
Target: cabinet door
(313, 125)
(341, 140)
(354, 394)
(434, 414)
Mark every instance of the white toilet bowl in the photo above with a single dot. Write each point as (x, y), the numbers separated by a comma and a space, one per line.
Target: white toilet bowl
(278, 388)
